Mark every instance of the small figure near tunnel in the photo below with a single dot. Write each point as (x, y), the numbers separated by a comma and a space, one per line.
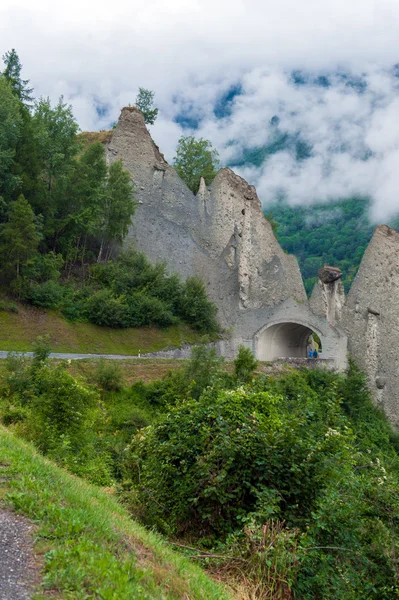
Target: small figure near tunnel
(314, 348)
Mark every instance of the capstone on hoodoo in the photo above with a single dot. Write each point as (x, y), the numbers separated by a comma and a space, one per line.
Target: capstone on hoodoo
(222, 236)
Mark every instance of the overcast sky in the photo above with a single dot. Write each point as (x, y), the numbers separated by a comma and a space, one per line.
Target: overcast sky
(190, 53)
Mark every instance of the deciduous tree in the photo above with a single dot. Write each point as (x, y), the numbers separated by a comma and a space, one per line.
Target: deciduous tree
(144, 102)
(195, 159)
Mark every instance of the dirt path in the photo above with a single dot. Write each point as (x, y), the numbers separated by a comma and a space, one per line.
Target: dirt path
(19, 572)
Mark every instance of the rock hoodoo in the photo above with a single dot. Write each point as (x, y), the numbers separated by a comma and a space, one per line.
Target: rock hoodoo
(329, 274)
(222, 235)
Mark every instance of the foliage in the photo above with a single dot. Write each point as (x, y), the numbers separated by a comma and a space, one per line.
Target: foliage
(195, 308)
(195, 159)
(203, 370)
(244, 365)
(12, 74)
(10, 133)
(145, 102)
(102, 308)
(171, 389)
(335, 234)
(41, 351)
(44, 267)
(81, 207)
(49, 294)
(298, 449)
(135, 293)
(57, 412)
(108, 376)
(19, 239)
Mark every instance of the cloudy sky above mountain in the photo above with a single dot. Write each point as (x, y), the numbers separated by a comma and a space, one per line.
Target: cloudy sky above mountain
(192, 52)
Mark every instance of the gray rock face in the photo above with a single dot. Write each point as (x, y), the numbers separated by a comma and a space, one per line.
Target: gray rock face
(222, 235)
(371, 318)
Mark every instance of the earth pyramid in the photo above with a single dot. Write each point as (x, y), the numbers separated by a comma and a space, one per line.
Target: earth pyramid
(222, 236)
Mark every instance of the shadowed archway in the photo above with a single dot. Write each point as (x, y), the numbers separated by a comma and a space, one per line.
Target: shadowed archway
(283, 340)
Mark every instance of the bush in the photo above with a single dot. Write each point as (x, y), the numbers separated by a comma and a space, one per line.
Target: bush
(147, 310)
(196, 309)
(47, 295)
(173, 388)
(108, 376)
(213, 461)
(44, 267)
(244, 365)
(153, 296)
(9, 306)
(282, 450)
(18, 378)
(203, 370)
(102, 308)
(41, 351)
(63, 404)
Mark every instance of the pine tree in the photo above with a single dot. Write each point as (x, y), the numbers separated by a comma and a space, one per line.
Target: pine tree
(19, 239)
(10, 132)
(12, 73)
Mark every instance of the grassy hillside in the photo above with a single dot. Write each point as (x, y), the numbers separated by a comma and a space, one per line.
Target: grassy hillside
(91, 547)
(19, 329)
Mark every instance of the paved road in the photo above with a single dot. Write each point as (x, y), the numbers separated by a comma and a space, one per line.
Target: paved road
(69, 356)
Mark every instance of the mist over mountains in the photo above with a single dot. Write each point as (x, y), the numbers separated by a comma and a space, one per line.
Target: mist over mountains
(303, 137)
(322, 149)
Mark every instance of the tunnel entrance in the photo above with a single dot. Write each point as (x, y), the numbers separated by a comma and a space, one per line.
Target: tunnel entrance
(287, 340)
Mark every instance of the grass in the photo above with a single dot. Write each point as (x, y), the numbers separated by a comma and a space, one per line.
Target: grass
(91, 547)
(133, 370)
(90, 137)
(19, 330)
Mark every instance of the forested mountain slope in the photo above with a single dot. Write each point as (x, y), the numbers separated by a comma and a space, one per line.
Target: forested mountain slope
(334, 234)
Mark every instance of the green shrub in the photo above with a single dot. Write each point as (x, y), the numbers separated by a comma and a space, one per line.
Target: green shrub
(283, 450)
(244, 365)
(47, 295)
(147, 310)
(41, 351)
(8, 306)
(154, 297)
(102, 308)
(203, 370)
(18, 377)
(108, 376)
(44, 267)
(213, 461)
(13, 413)
(63, 403)
(173, 388)
(195, 308)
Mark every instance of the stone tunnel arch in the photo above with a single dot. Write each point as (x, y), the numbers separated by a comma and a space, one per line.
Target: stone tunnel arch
(286, 339)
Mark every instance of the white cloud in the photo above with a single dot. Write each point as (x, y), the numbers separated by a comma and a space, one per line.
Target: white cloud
(191, 51)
